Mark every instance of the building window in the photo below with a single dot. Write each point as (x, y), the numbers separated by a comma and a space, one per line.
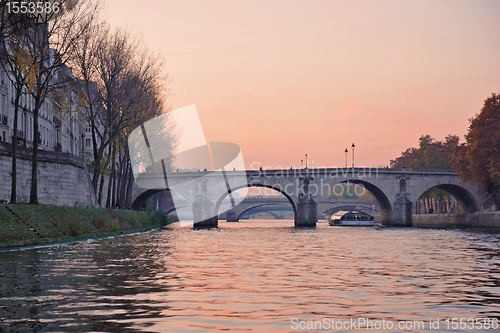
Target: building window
(88, 128)
(87, 142)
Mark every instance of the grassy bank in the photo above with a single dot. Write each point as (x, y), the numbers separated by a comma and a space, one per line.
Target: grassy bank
(28, 224)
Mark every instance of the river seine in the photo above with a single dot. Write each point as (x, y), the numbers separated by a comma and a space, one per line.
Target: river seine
(257, 277)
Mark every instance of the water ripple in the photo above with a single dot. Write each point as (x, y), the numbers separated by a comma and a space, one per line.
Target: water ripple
(253, 279)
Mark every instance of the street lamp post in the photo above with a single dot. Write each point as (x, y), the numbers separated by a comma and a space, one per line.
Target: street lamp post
(306, 161)
(346, 152)
(353, 146)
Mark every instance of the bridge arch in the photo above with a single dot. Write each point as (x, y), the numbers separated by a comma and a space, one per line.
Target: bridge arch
(141, 198)
(461, 194)
(277, 189)
(275, 216)
(383, 200)
(144, 196)
(262, 205)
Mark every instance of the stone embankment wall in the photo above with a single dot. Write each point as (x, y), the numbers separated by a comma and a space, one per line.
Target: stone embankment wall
(457, 220)
(63, 178)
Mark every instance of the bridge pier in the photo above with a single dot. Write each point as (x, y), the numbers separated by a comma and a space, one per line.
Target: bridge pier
(203, 213)
(231, 217)
(306, 206)
(402, 211)
(306, 213)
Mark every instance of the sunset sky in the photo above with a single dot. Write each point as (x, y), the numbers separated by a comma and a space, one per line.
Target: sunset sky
(282, 78)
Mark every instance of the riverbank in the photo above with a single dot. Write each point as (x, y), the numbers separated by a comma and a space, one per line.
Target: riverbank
(489, 220)
(22, 225)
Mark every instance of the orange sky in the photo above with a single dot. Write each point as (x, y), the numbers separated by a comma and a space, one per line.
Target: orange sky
(282, 78)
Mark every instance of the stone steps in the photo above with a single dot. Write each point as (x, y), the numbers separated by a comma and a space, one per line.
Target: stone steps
(19, 219)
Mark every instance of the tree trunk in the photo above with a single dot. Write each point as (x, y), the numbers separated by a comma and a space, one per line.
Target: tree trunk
(110, 202)
(34, 162)
(119, 177)
(13, 192)
(130, 188)
(110, 185)
(126, 181)
(97, 167)
(101, 187)
(123, 181)
(113, 193)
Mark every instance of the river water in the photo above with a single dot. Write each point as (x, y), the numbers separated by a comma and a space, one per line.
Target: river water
(255, 277)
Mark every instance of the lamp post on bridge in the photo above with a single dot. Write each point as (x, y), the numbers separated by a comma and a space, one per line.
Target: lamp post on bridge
(306, 161)
(346, 152)
(353, 146)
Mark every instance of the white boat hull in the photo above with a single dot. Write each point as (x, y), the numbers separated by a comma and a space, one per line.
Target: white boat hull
(347, 223)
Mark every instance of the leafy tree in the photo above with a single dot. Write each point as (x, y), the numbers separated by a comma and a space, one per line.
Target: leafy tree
(350, 191)
(430, 154)
(478, 159)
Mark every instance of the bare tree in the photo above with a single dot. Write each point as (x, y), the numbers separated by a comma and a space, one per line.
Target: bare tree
(51, 39)
(16, 62)
(123, 85)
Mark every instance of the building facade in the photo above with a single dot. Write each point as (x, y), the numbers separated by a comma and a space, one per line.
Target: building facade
(61, 122)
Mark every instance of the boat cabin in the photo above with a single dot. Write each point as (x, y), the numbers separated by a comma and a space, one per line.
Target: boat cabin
(352, 218)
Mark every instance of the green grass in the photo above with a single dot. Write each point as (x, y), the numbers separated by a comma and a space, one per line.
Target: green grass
(61, 223)
(10, 230)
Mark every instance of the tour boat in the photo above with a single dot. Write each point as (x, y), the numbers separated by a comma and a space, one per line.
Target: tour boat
(352, 218)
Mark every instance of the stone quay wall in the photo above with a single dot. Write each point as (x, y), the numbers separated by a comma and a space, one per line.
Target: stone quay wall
(63, 178)
(458, 220)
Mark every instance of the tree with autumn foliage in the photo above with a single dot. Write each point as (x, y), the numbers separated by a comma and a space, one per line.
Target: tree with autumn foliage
(122, 85)
(16, 62)
(478, 159)
(430, 154)
(35, 47)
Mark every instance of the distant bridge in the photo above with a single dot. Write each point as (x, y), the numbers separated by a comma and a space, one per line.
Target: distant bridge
(396, 190)
(274, 202)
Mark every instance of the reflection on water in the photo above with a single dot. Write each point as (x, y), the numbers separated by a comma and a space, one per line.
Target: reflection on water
(254, 278)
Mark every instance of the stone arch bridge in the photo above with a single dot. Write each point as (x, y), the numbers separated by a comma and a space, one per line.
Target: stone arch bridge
(396, 190)
(282, 203)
